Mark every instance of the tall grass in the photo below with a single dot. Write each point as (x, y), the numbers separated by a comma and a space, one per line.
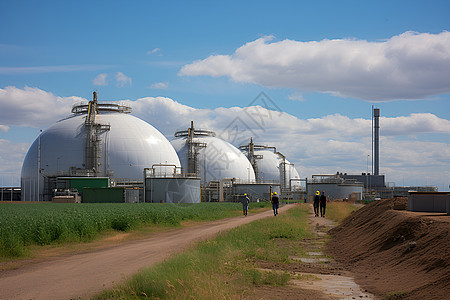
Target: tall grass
(338, 211)
(225, 267)
(22, 225)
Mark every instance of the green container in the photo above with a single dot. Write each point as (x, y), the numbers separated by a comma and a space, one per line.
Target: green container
(80, 183)
(103, 195)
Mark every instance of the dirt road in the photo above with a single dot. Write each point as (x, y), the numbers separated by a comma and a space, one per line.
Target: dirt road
(83, 275)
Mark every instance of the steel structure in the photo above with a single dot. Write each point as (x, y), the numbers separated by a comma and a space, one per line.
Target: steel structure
(270, 164)
(209, 157)
(97, 140)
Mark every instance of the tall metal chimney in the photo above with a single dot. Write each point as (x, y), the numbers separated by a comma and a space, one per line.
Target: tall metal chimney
(376, 146)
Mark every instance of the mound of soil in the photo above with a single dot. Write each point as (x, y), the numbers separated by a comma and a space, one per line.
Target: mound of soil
(395, 252)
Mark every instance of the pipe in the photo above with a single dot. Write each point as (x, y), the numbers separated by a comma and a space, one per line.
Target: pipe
(376, 114)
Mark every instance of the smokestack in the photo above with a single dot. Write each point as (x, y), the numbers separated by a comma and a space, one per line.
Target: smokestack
(376, 146)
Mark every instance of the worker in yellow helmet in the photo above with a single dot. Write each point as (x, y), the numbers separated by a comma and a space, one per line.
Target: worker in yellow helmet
(275, 203)
(245, 200)
(316, 203)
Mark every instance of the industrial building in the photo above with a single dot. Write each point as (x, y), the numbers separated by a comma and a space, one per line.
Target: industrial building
(101, 153)
(273, 169)
(335, 187)
(371, 186)
(97, 140)
(211, 158)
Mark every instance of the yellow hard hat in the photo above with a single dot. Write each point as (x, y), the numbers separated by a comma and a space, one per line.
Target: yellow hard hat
(274, 193)
(317, 193)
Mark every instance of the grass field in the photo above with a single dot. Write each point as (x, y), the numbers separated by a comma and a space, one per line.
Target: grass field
(338, 211)
(223, 267)
(26, 224)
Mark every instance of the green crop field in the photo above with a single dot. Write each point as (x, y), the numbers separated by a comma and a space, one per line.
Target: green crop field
(22, 225)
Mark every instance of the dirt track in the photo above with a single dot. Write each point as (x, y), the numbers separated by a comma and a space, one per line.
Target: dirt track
(395, 252)
(83, 275)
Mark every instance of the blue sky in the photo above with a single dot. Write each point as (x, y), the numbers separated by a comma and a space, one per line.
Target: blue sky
(317, 60)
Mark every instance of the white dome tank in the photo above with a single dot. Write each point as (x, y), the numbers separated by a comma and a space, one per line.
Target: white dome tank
(123, 146)
(216, 159)
(272, 166)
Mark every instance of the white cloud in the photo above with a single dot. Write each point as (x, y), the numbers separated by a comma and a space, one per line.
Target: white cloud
(407, 66)
(32, 107)
(11, 159)
(160, 86)
(122, 80)
(415, 124)
(156, 50)
(297, 96)
(100, 79)
(4, 128)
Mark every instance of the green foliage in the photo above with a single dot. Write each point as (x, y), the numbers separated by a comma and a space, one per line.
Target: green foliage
(223, 267)
(26, 224)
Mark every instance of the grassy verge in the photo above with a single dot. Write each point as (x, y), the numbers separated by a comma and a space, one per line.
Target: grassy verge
(30, 224)
(338, 211)
(224, 267)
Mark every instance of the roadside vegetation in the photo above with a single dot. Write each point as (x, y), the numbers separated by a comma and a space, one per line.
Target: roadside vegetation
(29, 224)
(338, 211)
(224, 267)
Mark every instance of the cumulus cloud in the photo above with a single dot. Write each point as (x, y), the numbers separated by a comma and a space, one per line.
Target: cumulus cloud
(160, 86)
(11, 158)
(4, 128)
(100, 79)
(32, 107)
(408, 66)
(122, 80)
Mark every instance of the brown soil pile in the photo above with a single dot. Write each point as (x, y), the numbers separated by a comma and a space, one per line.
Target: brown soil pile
(395, 253)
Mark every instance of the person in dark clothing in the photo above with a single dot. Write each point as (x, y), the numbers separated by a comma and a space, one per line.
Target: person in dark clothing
(323, 204)
(316, 203)
(275, 203)
(245, 201)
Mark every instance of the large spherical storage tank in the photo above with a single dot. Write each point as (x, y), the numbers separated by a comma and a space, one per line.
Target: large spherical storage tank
(127, 145)
(218, 160)
(271, 167)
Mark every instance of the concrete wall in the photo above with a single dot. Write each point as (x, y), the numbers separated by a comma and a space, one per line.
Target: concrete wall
(429, 202)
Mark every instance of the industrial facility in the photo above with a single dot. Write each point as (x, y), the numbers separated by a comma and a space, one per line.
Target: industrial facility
(99, 140)
(366, 185)
(101, 153)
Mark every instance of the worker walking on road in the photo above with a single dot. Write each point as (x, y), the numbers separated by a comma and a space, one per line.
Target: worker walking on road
(275, 203)
(245, 201)
(323, 204)
(316, 203)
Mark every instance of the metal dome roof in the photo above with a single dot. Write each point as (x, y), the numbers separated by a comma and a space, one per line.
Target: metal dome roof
(218, 160)
(270, 167)
(127, 145)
